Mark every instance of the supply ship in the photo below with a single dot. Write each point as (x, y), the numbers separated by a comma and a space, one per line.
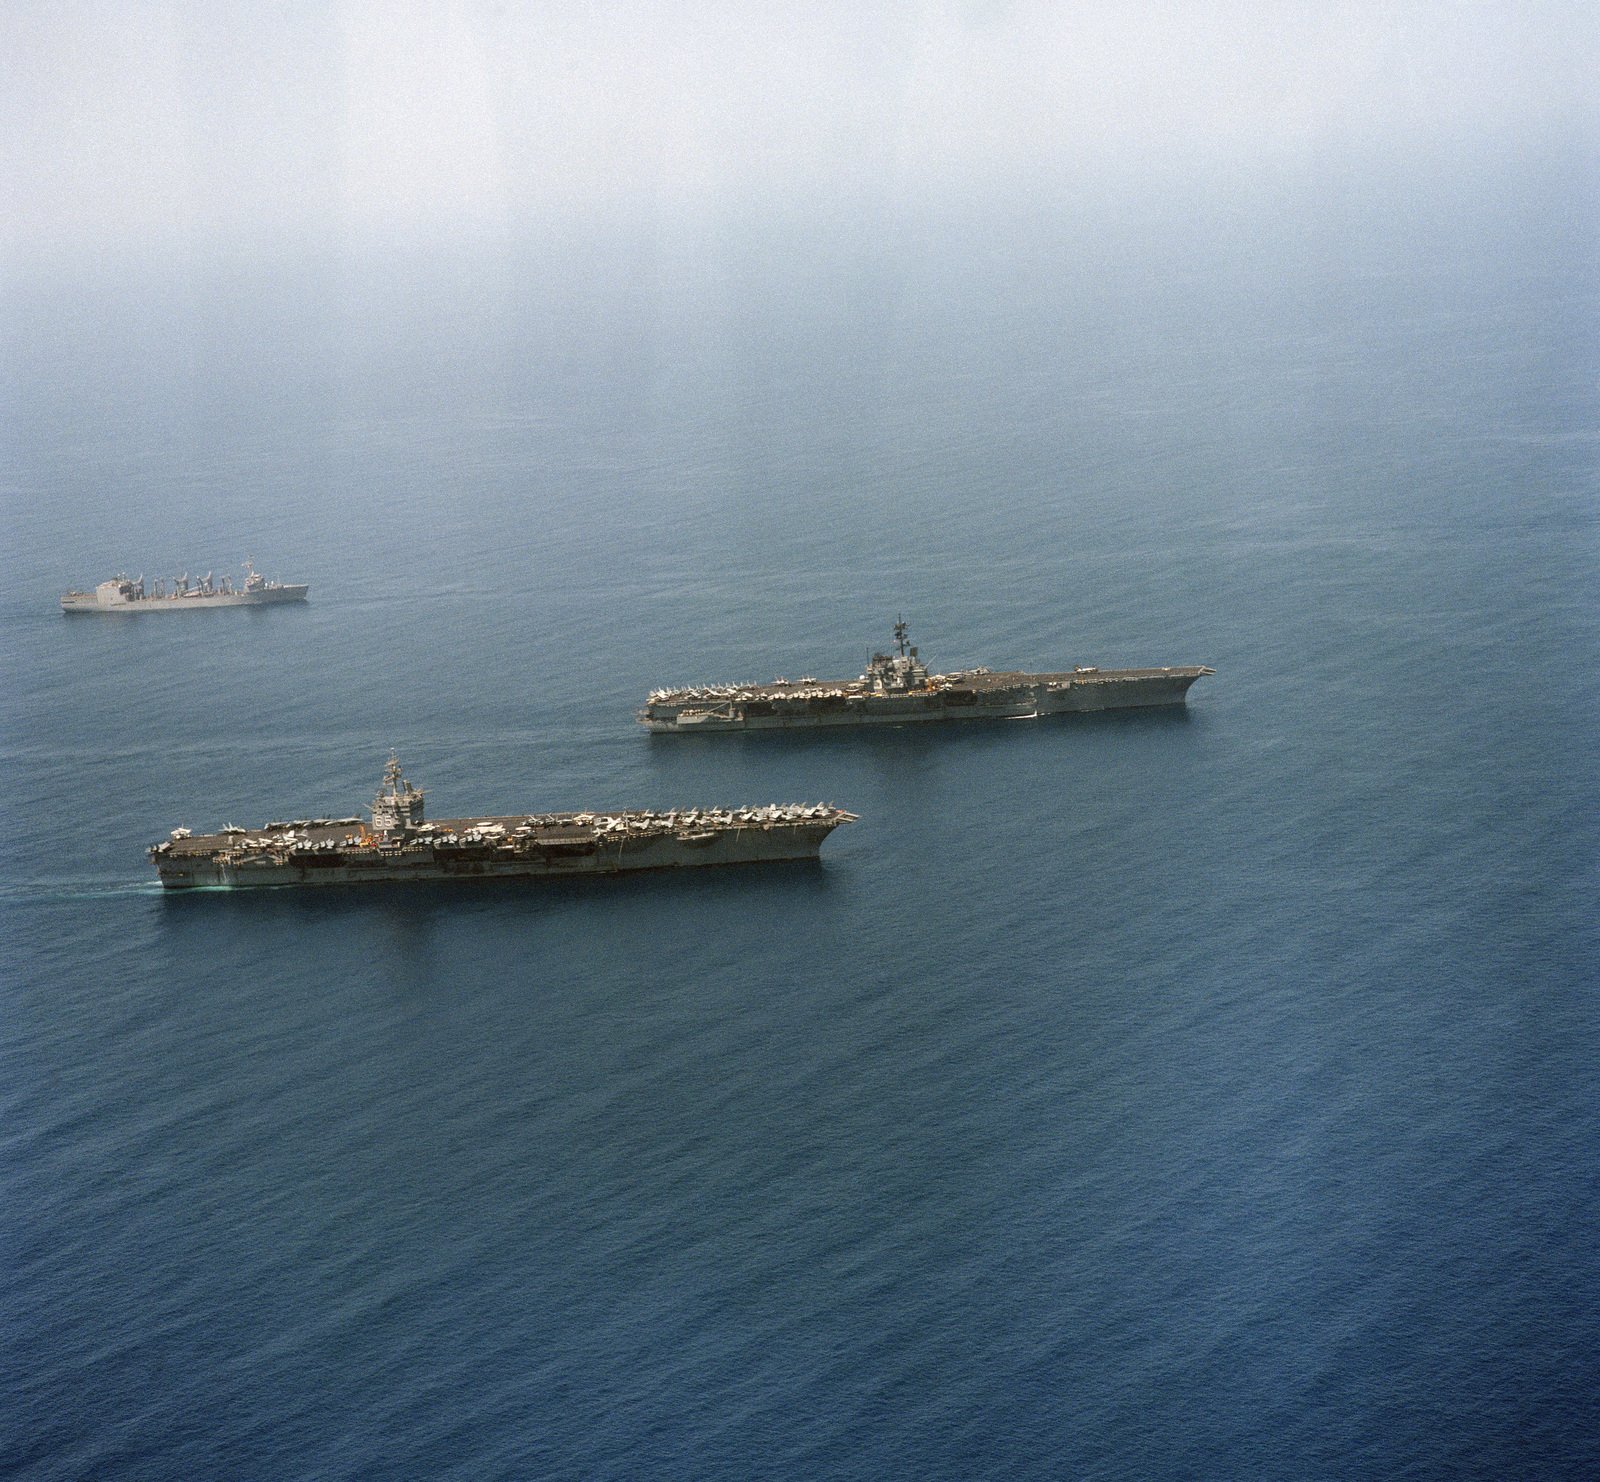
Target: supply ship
(122, 594)
(897, 688)
(398, 844)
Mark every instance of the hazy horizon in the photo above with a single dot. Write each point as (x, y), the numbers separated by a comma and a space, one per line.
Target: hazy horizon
(166, 132)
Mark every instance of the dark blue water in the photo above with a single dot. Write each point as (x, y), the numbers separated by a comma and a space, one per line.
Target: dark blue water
(1166, 1095)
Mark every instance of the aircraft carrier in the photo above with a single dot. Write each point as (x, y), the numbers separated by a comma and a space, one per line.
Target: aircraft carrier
(398, 844)
(124, 594)
(898, 689)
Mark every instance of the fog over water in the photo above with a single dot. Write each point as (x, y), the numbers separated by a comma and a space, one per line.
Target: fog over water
(1157, 1095)
(146, 127)
(193, 191)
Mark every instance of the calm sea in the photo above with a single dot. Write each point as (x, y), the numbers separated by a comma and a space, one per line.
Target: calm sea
(1157, 1095)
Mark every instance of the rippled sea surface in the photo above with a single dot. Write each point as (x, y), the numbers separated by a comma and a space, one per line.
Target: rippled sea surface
(1195, 1094)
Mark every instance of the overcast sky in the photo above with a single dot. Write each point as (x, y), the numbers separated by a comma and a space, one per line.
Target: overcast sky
(141, 124)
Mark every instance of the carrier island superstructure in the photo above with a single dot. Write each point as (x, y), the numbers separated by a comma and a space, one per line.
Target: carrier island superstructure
(129, 594)
(897, 688)
(398, 844)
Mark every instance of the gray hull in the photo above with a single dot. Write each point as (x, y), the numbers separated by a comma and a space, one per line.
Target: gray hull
(757, 844)
(399, 845)
(87, 602)
(995, 697)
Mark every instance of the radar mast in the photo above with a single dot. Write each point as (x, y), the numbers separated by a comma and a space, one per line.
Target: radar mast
(398, 805)
(899, 672)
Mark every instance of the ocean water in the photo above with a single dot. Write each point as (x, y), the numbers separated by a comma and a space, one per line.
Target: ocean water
(1195, 1094)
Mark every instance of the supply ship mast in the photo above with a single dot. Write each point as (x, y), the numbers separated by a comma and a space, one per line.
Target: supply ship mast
(124, 594)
